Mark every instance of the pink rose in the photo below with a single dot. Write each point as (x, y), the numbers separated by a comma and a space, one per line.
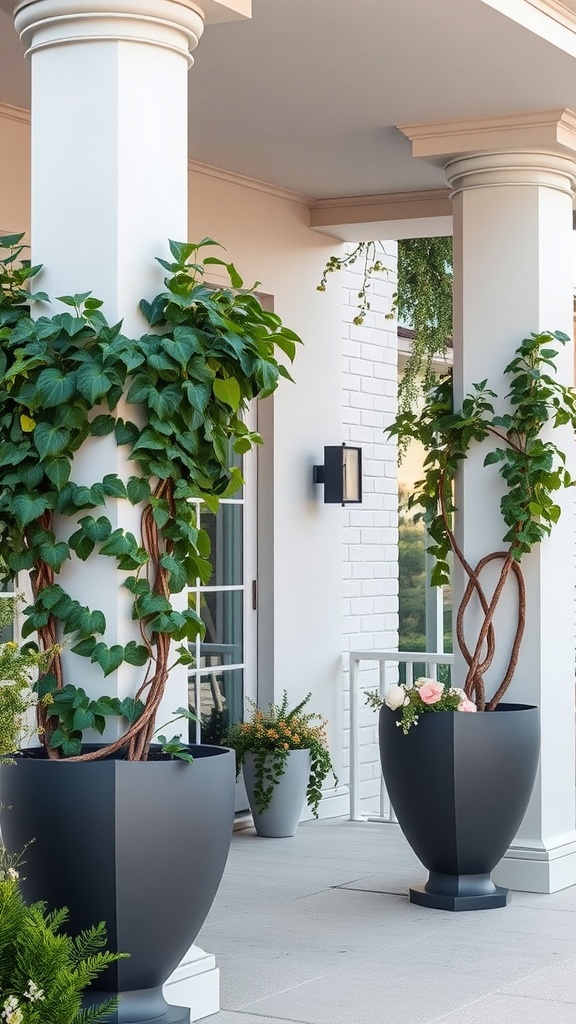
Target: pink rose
(431, 692)
(466, 705)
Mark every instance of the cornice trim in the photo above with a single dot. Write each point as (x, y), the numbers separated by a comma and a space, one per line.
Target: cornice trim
(252, 183)
(10, 113)
(387, 206)
(557, 11)
(508, 131)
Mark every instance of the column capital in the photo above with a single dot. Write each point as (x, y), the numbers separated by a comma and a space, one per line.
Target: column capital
(176, 25)
(544, 168)
(543, 129)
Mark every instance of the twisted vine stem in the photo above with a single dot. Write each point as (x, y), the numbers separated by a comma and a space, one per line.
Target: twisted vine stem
(71, 377)
(532, 467)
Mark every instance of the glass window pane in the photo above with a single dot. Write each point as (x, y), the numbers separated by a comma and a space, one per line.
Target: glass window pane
(225, 532)
(222, 612)
(221, 703)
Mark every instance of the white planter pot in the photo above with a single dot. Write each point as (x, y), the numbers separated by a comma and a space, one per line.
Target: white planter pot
(281, 817)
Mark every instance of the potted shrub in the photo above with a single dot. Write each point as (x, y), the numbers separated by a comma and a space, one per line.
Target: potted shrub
(460, 783)
(134, 832)
(285, 760)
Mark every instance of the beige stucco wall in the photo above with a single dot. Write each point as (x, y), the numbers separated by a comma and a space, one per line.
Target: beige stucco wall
(14, 172)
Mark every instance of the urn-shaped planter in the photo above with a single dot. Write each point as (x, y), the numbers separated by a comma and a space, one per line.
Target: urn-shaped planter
(280, 819)
(139, 845)
(460, 785)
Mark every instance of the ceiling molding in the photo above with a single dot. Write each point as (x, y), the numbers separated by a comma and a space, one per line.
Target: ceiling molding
(11, 113)
(388, 206)
(252, 183)
(565, 16)
(545, 128)
(217, 11)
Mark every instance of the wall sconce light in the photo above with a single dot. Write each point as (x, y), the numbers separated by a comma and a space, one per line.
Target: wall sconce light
(341, 474)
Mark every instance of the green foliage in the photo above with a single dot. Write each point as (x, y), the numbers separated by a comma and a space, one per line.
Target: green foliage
(174, 400)
(271, 735)
(19, 668)
(423, 301)
(412, 705)
(532, 467)
(44, 973)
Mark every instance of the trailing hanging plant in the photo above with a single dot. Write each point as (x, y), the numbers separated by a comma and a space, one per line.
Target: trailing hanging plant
(43, 972)
(422, 301)
(271, 735)
(530, 464)
(173, 401)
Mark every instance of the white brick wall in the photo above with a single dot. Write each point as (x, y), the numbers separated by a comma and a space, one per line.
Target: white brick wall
(370, 562)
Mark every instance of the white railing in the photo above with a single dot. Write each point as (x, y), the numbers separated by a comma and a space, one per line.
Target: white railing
(387, 661)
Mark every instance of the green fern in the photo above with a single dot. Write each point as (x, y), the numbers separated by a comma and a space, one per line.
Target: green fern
(44, 972)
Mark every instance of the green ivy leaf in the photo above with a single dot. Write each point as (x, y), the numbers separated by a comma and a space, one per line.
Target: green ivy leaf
(85, 648)
(50, 440)
(81, 544)
(58, 472)
(96, 529)
(136, 654)
(131, 709)
(114, 487)
(137, 489)
(92, 382)
(54, 387)
(26, 508)
(178, 578)
(102, 425)
(126, 432)
(109, 658)
(92, 622)
(54, 554)
(119, 543)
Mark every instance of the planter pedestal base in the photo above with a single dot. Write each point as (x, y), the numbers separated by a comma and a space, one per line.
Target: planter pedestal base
(460, 892)
(144, 1006)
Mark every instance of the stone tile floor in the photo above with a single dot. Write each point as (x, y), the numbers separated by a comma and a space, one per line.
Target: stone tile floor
(318, 929)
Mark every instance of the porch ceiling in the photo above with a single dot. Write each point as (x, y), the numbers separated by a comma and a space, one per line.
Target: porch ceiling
(307, 94)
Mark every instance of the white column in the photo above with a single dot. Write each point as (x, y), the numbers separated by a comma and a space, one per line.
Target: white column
(513, 259)
(513, 180)
(109, 187)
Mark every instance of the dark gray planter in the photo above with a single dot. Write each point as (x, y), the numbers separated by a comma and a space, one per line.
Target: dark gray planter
(460, 785)
(280, 820)
(139, 845)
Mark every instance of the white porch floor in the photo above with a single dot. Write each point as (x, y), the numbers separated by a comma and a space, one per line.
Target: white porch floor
(318, 930)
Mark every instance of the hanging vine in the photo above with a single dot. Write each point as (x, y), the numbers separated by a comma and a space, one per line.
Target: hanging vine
(422, 302)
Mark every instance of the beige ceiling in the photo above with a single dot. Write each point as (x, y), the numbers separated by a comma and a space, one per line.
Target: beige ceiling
(307, 94)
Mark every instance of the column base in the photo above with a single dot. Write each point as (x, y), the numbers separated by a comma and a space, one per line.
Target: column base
(527, 869)
(196, 984)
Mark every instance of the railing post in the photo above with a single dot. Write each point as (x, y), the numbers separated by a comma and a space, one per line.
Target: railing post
(409, 659)
(354, 740)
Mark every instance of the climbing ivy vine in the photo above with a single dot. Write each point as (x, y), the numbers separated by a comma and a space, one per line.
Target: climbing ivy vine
(173, 401)
(423, 302)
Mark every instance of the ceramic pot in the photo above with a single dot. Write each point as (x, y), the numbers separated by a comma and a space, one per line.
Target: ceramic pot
(281, 817)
